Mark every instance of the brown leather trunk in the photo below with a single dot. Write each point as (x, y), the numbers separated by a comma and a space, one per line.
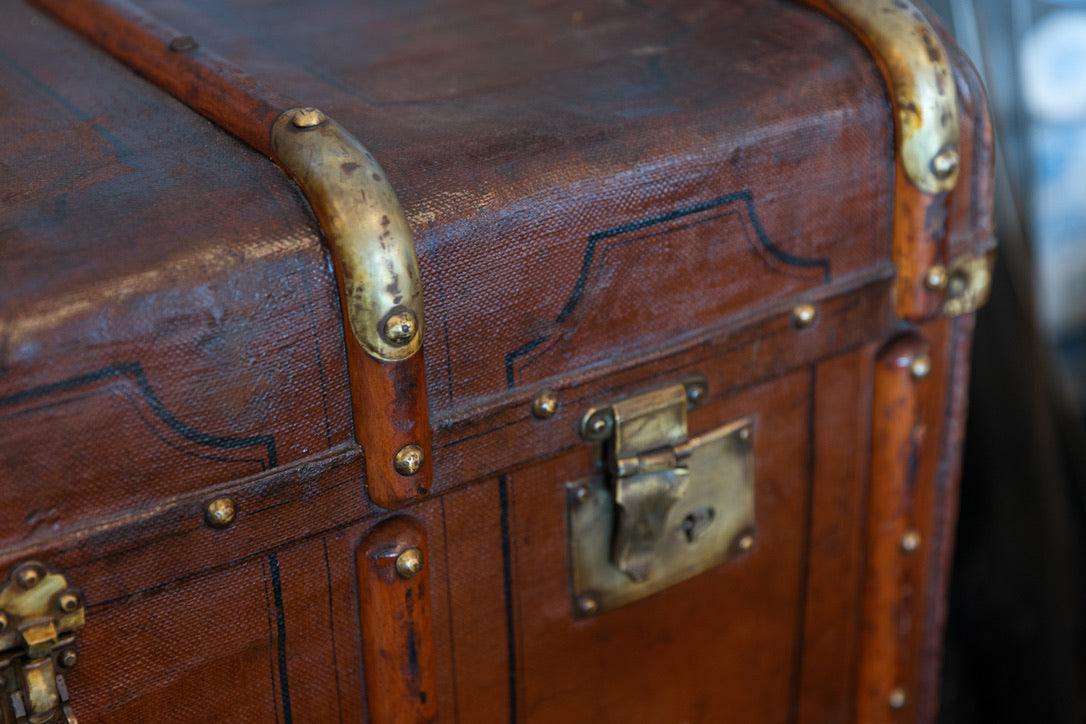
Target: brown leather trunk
(260, 519)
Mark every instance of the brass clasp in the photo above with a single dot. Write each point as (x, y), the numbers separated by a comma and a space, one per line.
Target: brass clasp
(669, 507)
(39, 614)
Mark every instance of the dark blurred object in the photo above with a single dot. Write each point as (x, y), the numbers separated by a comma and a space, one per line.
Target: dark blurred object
(1015, 635)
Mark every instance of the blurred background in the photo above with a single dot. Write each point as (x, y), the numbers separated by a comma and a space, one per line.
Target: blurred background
(1016, 631)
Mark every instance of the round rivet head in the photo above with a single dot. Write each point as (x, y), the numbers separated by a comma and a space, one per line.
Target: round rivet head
(183, 44)
(408, 460)
(582, 493)
(957, 284)
(920, 367)
(307, 118)
(587, 605)
(409, 563)
(68, 658)
(68, 602)
(399, 327)
(945, 163)
(746, 542)
(545, 405)
(29, 575)
(696, 393)
(936, 278)
(910, 541)
(3, 621)
(896, 700)
(804, 316)
(220, 512)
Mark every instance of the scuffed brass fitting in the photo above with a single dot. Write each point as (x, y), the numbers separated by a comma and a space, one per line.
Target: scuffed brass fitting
(910, 541)
(400, 326)
(945, 163)
(896, 700)
(307, 118)
(936, 278)
(409, 563)
(29, 575)
(920, 367)
(804, 316)
(220, 513)
(408, 460)
(588, 605)
(545, 405)
(68, 602)
(68, 658)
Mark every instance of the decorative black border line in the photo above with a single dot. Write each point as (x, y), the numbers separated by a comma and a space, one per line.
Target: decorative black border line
(746, 196)
(134, 370)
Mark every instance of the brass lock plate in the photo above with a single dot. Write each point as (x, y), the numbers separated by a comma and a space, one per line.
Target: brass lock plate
(39, 614)
(668, 508)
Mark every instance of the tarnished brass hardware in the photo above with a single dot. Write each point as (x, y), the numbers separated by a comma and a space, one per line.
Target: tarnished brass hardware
(968, 284)
(545, 405)
(307, 118)
(920, 367)
(399, 327)
(910, 541)
(696, 392)
(409, 563)
(41, 614)
(921, 81)
(408, 460)
(896, 700)
(367, 231)
(220, 513)
(935, 279)
(587, 605)
(804, 316)
(669, 507)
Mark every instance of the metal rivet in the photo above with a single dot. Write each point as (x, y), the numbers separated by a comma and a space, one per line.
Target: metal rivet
(897, 698)
(935, 279)
(957, 284)
(220, 512)
(68, 658)
(183, 44)
(409, 563)
(744, 434)
(307, 118)
(68, 602)
(920, 367)
(598, 426)
(400, 326)
(746, 542)
(28, 576)
(804, 316)
(545, 405)
(408, 460)
(910, 541)
(587, 604)
(3, 621)
(945, 163)
(696, 392)
(581, 493)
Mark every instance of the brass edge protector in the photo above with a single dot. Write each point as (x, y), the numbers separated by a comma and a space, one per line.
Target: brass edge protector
(921, 82)
(366, 229)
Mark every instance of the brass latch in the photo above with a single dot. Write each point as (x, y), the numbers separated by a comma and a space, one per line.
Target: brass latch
(669, 506)
(39, 614)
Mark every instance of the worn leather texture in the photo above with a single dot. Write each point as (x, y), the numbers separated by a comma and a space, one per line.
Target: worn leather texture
(605, 197)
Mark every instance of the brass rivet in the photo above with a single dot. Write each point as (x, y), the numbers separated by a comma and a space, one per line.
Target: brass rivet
(307, 118)
(897, 698)
(68, 602)
(587, 604)
(598, 426)
(409, 563)
(910, 541)
(28, 576)
(945, 163)
(3, 621)
(545, 405)
(746, 542)
(408, 460)
(399, 327)
(220, 512)
(957, 284)
(936, 278)
(696, 392)
(920, 367)
(804, 316)
(183, 44)
(581, 493)
(68, 658)
(744, 433)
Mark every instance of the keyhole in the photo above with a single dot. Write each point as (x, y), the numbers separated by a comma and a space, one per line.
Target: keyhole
(696, 522)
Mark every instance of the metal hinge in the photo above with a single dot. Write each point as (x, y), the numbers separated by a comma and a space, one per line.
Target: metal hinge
(670, 506)
(39, 614)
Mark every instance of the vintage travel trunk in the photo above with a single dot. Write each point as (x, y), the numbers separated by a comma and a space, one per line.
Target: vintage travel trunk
(473, 361)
